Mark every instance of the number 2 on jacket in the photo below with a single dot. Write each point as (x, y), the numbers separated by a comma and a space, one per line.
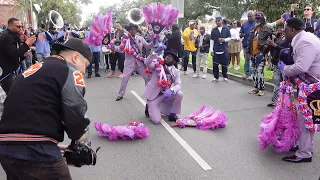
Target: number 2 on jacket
(78, 78)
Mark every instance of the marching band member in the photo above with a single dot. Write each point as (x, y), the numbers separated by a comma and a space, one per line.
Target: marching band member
(159, 99)
(66, 33)
(42, 43)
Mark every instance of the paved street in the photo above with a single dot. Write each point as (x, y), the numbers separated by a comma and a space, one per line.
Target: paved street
(229, 153)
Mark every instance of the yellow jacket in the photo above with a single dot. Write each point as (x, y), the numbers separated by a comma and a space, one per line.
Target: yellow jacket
(189, 41)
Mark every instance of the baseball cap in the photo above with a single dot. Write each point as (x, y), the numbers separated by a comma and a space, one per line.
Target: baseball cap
(74, 44)
(259, 15)
(191, 22)
(175, 25)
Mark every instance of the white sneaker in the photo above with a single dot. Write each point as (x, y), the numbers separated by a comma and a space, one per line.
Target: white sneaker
(204, 76)
(225, 79)
(195, 76)
(236, 68)
(214, 80)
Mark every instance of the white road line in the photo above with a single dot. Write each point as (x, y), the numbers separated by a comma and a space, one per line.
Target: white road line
(183, 143)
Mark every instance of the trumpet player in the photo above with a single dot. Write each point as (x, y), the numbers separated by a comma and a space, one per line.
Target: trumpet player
(66, 34)
(42, 43)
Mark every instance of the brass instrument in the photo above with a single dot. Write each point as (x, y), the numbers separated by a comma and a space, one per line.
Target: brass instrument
(55, 19)
(135, 16)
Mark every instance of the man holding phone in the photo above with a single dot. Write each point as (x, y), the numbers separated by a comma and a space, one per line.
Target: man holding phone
(12, 52)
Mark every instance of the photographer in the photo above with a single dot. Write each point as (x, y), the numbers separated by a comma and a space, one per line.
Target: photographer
(32, 125)
(277, 43)
(308, 17)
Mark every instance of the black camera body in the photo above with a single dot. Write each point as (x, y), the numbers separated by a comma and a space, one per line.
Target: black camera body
(79, 154)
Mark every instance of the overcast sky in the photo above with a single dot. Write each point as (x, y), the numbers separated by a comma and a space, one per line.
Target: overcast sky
(94, 7)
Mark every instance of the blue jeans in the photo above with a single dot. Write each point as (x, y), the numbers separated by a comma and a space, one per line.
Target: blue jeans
(28, 61)
(42, 56)
(277, 77)
(95, 60)
(186, 60)
(247, 69)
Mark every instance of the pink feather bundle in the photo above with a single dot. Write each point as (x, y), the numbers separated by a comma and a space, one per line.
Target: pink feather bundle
(160, 13)
(281, 127)
(99, 28)
(217, 120)
(135, 130)
(205, 118)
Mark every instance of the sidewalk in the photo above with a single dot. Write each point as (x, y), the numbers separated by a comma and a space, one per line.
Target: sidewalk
(238, 78)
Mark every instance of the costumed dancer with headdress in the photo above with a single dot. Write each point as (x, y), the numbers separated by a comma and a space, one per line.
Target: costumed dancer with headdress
(164, 97)
(99, 34)
(305, 52)
(133, 57)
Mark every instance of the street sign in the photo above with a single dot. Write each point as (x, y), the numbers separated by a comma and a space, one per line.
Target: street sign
(178, 4)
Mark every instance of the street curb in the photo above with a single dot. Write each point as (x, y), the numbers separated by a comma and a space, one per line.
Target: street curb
(235, 77)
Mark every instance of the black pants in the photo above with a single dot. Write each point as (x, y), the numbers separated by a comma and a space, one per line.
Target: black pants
(95, 60)
(107, 60)
(221, 59)
(7, 83)
(17, 169)
(113, 61)
(186, 60)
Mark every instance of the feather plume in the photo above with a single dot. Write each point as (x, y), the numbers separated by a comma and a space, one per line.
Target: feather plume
(128, 132)
(281, 127)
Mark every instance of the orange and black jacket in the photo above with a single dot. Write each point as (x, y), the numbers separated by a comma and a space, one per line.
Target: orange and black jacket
(43, 103)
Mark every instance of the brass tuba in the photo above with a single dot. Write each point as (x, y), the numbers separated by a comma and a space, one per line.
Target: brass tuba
(55, 19)
(135, 16)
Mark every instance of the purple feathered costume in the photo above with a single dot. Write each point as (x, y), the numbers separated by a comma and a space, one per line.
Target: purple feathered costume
(281, 127)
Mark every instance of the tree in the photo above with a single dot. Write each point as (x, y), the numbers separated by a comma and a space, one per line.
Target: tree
(68, 9)
(273, 9)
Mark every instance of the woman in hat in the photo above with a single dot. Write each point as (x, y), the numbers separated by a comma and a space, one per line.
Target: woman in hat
(163, 98)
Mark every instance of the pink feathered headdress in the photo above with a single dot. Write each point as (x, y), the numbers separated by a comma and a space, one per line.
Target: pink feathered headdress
(159, 16)
(135, 130)
(99, 28)
(204, 118)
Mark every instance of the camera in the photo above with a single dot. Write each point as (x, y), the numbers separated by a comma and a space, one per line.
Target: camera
(79, 154)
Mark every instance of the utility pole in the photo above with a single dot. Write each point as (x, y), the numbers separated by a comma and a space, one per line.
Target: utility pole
(31, 13)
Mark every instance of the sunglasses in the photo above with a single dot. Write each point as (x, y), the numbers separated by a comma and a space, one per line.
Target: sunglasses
(307, 9)
(19, 26)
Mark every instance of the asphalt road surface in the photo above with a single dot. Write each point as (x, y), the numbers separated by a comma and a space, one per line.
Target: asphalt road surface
(169, 153)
